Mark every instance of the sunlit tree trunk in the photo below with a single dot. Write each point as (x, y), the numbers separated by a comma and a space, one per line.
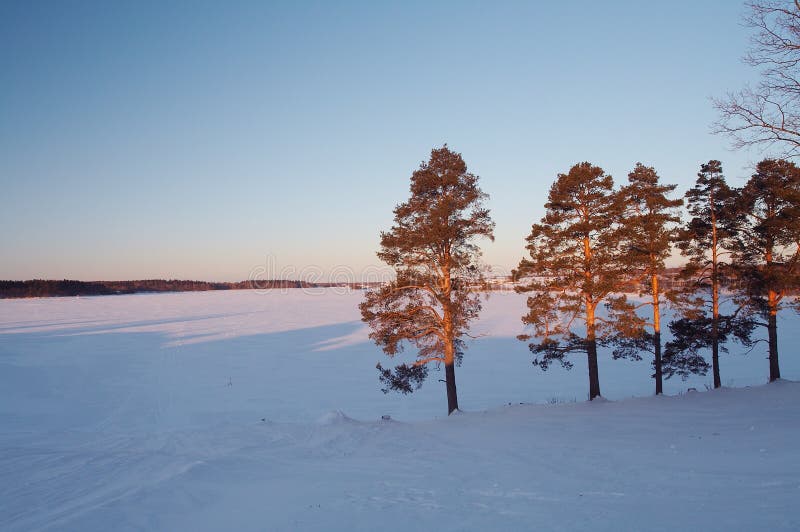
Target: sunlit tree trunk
(714, 299)
(657, 334)
(772, 329)
(449, 362)
(772, 322)
(449, 342)
(591, 350)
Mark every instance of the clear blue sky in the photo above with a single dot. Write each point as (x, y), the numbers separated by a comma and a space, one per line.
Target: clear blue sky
(191, 139)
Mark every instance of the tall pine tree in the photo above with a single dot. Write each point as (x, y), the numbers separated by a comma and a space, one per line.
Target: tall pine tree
(575, 266)
(767, 244)
(432, 248)
(650, 228)
(706, 241)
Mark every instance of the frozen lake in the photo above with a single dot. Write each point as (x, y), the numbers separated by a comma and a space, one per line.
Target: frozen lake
(180, 359)
(260, 411)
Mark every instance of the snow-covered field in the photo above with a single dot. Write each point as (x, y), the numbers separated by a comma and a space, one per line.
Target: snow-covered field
(261, 411)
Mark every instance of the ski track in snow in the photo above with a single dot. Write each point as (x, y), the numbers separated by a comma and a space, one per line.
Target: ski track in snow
(261, 411)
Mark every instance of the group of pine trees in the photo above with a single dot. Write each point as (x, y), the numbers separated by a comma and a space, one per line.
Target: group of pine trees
(596, 268)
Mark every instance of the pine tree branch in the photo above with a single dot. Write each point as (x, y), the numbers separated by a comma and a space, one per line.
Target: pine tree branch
(426, 360)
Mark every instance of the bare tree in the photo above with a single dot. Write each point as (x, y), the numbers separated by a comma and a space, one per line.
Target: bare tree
(768, 115)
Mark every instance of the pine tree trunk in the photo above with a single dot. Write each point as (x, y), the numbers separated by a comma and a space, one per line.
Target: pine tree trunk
(772, 319)
(449, 343)
(657, 333)
(594, 376)
(591, 350)
(450, 375)
(449, 357)
(772, 330)
(715, 327)
(657, 363)
(715, 353)
(714, 297)
(450, 383)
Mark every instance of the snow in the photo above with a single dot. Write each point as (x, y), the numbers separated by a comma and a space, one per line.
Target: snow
(253, 410)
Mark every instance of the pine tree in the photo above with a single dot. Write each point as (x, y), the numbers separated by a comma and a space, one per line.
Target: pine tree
(706, 241)
(766, 247)
(649, 231)
(575, 265)
(432, 248)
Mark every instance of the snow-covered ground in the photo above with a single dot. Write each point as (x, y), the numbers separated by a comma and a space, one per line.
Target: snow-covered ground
(261, 411)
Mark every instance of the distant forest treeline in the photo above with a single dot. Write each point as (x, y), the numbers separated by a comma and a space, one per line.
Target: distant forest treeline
(71, 288)
(66, 287)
